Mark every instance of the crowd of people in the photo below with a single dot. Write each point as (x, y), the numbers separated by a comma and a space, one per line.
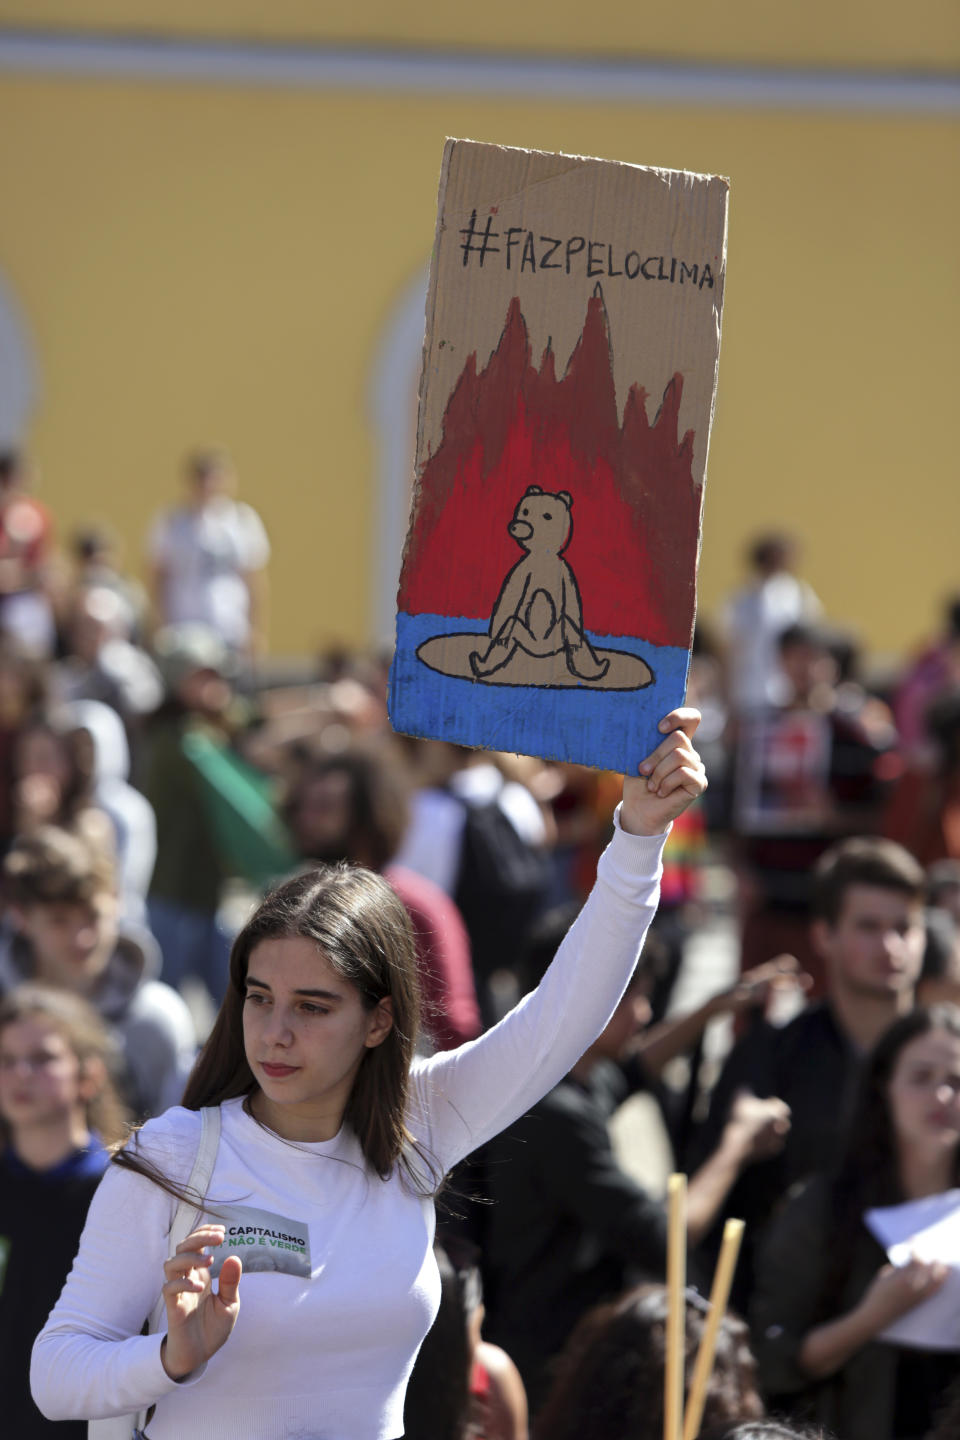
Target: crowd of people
(168, 820)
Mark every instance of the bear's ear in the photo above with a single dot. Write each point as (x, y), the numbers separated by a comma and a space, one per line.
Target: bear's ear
(566, 497)
(533, 490)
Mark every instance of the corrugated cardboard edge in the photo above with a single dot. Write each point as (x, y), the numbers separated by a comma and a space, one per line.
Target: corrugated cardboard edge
(713, 395)
(431, 305)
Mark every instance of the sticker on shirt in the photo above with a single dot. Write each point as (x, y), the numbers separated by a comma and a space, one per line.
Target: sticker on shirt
(265, 1242)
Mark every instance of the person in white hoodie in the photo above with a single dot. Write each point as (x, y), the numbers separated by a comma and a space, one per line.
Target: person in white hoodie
(325, 1143)
(130, 812)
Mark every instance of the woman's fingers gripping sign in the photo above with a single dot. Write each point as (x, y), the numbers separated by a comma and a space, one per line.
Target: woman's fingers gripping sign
(670, 778)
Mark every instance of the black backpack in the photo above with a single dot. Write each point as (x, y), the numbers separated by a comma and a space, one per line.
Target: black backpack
(501, 888)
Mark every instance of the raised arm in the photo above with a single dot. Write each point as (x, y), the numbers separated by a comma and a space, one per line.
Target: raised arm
(463, 1097)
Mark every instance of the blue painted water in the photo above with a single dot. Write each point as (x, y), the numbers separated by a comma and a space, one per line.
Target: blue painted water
(608, 729)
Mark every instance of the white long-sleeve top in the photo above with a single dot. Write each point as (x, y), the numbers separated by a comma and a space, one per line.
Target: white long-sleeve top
(324, 1354)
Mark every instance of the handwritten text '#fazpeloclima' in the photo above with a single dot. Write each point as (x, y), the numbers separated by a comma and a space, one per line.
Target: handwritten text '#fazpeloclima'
(525, 251)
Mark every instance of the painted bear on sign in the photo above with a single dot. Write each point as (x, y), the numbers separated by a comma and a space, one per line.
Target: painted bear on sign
(538, 610)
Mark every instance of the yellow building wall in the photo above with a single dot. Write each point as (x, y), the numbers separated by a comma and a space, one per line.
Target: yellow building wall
(217, 264)
(859, 33)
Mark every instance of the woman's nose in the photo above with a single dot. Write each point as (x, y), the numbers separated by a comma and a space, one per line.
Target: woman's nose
(277, 1029)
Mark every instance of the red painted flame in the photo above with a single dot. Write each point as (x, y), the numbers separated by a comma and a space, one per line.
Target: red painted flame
(636, 509)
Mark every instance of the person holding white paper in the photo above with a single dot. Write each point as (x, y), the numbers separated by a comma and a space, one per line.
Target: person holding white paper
(826, 1294)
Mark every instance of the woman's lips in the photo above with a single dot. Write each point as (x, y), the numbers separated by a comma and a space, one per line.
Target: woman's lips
(278, 1072)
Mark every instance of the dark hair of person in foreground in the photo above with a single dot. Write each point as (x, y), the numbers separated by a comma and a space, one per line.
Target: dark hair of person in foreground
(609, 1382)
(438, 1393)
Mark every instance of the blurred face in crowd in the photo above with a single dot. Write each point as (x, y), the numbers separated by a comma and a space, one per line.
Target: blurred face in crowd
(13, 691)
(948, 899)
(924, 1093)
(43, 771)
(322, 817)
(875, 946)
(809, 668)
(205, 691)
(629, 1018)
(40, 752)
(98, 615)
(71, 940)
(41, 1079)
(209, 482)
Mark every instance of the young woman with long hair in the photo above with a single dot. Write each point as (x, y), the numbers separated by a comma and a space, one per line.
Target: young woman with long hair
(825, 1292)
(333, 1141)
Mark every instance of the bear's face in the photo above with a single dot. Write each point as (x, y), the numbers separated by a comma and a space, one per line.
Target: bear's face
(542, 522)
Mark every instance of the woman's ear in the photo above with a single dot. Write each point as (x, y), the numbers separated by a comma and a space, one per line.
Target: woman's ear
(379, 1023)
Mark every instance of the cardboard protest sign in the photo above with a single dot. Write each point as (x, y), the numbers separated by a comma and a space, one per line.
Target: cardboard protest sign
(548, 589)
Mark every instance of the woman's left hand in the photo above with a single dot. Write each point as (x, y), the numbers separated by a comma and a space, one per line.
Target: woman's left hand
(670, 779)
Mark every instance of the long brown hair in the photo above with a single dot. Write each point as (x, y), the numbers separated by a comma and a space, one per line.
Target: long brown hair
(86, 1035)
(869, 1172)
(362, 929)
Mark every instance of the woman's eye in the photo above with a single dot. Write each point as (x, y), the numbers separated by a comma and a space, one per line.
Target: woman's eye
(309, 1009)
(253, 997)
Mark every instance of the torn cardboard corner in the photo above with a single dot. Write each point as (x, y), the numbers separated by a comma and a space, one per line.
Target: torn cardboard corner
(548, 592)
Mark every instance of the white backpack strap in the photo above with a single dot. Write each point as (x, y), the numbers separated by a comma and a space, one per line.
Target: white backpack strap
(188, 1213)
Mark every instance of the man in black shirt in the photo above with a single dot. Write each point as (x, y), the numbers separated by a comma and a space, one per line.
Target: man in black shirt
(868, 928)
(568, 1226)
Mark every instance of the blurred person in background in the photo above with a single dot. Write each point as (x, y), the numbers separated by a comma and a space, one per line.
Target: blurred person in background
(568, 1226)
(825, 1290)
(482, 838)
(216, 817)
(53, 781)
(101, 662)
(26, 560)
(436, 1405)
(462, 1388)
(943, 887)
(58, 1113)
(807, 771)
(868, 928)
(100, 742)
(610, 1382)
(939, 981)
(353, 807)
(498, 1400)
(24, 692)
(62, 929)
(96, 553)
(756, 617)
(932, 674)
(208, 558)
(924, 810)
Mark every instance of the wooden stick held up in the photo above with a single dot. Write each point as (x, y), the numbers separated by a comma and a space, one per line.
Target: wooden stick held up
(719, 1295)
(676, 1307)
